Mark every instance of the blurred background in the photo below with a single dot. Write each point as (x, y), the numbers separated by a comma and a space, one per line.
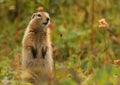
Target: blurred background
(83, 53)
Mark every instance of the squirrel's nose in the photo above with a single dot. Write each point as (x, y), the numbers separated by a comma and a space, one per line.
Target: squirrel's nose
(47, 19)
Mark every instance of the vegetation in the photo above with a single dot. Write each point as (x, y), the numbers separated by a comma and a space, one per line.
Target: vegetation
(84, 53)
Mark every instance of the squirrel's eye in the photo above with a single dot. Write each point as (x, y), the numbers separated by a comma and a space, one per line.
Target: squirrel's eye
(39, 15)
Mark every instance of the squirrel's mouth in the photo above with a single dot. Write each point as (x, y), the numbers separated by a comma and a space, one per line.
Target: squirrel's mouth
(45, 23)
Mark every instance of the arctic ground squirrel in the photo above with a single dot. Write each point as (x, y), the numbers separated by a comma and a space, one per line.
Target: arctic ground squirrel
(36, 50)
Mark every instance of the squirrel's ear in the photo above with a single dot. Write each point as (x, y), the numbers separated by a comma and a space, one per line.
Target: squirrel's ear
(33, 16)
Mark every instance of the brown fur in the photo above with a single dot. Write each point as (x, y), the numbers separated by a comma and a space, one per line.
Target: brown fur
(37, 51)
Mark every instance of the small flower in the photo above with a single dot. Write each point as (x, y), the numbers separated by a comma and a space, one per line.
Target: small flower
(117, 62)
(103, 23)
(50, 26)
(40, 8)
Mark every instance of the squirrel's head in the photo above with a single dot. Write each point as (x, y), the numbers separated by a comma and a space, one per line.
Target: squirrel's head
(40, 20)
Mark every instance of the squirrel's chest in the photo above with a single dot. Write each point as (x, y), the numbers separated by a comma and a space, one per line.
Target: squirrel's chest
(40, 43)
(41, 47)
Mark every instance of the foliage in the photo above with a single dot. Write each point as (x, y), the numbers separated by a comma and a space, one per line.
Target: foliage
(84, 54)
